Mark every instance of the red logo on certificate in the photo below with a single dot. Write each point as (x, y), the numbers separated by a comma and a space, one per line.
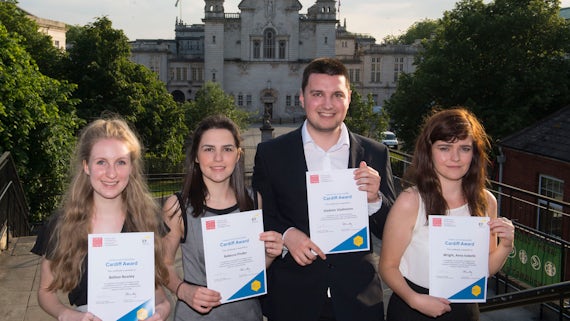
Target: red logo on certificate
(210, 224)
(436, 221)
(97, 242)
(314, 179)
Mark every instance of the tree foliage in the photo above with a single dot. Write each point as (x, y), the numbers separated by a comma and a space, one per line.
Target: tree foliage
(38, 45)
(37, 123)
(421, 30)
(361, 119)
(505, 60)
(211, 100)
(108, 82)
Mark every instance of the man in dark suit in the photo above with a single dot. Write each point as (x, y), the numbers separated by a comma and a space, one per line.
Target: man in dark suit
(305, 284)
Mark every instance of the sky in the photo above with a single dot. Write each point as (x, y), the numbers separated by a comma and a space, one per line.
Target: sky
(155, 19)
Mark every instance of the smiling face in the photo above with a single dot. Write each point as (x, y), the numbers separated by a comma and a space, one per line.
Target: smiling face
(451, 160)
(108, 167)
(217, 155)
(326, 100)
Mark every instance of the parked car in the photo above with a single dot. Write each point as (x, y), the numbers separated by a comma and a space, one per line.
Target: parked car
(389, 139)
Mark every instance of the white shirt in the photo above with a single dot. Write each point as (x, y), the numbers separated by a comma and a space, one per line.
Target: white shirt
(334, 158)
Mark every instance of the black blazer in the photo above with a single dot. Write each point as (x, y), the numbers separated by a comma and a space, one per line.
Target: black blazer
(296, 292)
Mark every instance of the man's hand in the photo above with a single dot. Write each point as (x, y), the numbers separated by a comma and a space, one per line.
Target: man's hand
(300, 246)
(368, 179)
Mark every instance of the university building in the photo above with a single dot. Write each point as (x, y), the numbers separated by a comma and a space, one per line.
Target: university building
(258, 54)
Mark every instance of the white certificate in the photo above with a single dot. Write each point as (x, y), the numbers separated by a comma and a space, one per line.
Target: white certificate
(459, 257)
(338, 211)
(234, 255)
(120, 281)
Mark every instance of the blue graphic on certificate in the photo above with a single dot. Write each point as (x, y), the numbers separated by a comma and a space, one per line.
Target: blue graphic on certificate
(234, 255)
(120, 281)
(338, 211)
(459, 257)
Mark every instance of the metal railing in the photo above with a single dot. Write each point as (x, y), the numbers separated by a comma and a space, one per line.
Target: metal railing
(14, 211)
(544, 277)
(516, 292)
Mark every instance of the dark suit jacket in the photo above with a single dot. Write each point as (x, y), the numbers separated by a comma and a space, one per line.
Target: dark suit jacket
(296, 292)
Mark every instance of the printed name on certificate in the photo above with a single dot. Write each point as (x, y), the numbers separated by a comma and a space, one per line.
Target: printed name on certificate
(338, 211)
(459, 257)
(234, 255)
(120, 281)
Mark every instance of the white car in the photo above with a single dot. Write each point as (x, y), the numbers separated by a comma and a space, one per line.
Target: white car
(389, 139)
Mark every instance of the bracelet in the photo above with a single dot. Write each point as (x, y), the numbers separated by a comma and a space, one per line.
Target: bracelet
(178, 288)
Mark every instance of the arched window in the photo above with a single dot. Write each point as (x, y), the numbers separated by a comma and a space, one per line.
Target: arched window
(269, 44)
(256, 49)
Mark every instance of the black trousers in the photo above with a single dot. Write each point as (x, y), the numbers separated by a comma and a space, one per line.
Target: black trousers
(398, 310)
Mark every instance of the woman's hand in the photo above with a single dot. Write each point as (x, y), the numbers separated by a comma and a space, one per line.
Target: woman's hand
(505, 231)
(74, 315)
(430, 305)
(162, 306)
(273, 243)
(199, 298)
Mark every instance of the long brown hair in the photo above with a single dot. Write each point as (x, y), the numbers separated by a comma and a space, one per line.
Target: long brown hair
(69, 238)
(450, 125)
(194, 189)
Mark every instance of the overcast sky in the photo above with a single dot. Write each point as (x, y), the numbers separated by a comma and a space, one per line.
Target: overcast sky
(154, 19)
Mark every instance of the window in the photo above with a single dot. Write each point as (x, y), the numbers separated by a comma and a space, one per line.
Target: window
(213, 39)
(269, 44)
(375, 70)
(282, 46)
(326, 40)
(549, 212)
(197, 74)
(354, 75)
(181, 73)
(256, 49)
(398, 67)
(297, 102)
(240, 100)
(288, 100)
(154, 64)
(248, 100)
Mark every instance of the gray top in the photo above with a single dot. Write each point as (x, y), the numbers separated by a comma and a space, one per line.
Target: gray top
(195, 272)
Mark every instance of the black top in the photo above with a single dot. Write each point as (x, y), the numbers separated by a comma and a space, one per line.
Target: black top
(43, 246)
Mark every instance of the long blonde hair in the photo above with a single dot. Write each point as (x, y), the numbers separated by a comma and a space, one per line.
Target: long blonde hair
(69, 239)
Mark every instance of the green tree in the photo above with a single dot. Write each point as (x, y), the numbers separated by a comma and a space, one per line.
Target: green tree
(211, 100)
(38, 45)
(505, 60)
(421, 30)
(361, 119)
(108, 82)
(36, 124)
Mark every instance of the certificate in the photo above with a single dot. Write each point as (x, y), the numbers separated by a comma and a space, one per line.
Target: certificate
(234, 255)
(459, 257)
(120, 278)
(338, 211)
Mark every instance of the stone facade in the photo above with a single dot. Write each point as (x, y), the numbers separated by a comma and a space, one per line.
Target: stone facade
(258, 54)
(55, 29)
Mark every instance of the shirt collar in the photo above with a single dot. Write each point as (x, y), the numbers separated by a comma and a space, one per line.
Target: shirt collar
(342, 140)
